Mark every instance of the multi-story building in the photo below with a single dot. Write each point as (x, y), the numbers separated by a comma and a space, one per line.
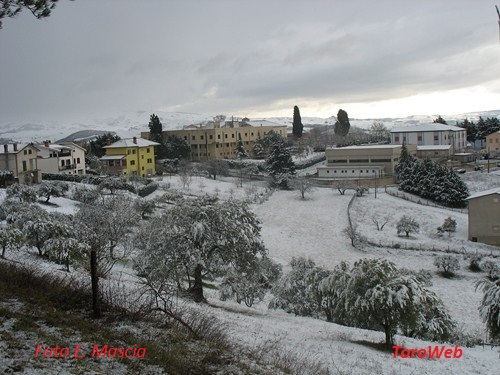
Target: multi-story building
(431, 135)
(216, 141)
(21, 160)
(484, 217)
(64, 158)
(355, 162)
(493, 142)
(132, 157)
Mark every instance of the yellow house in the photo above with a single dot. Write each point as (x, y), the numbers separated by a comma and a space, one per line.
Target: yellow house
(132, 157)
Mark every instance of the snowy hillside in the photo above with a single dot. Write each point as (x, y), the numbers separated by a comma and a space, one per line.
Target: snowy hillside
(292, 227)
(132, 123)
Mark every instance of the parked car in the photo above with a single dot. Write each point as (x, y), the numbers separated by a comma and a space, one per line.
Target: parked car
(460, 170)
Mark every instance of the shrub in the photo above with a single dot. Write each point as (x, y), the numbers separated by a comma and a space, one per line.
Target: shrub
(448, 264)
(147, 189)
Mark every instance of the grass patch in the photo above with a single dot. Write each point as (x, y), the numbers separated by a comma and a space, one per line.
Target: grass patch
(57, 312)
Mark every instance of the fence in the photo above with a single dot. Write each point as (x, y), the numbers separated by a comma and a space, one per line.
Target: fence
(393, 190)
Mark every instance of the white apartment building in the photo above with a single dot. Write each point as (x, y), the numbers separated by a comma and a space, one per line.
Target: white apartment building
(430, 135)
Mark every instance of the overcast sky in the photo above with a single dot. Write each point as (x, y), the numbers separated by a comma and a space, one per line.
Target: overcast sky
(252, 58)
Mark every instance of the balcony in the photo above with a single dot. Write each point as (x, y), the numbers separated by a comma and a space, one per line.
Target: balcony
(66, 167)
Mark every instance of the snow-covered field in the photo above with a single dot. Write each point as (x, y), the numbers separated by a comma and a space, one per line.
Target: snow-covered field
(292, 227)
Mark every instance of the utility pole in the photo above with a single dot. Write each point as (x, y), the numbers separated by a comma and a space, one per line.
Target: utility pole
(375, 184)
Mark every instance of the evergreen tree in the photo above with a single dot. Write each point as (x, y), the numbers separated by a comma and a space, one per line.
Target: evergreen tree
(280, 165)
(96, 146)
(297, 123)
(177, 148)
(342, 124)
(258, 149)
(39, 8)
(440, 120)
(470, 128)
(156, 135)
(240, 150)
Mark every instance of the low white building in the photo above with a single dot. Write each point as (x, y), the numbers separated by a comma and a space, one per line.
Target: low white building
(64, 158)
(354, 162)
(431, 135)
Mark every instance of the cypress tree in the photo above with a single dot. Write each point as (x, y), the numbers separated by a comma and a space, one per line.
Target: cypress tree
(342, 124)
(297, 122)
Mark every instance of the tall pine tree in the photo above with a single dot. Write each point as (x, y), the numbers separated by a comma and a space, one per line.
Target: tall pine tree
(280, 165)
(297, 123)
(156, 135)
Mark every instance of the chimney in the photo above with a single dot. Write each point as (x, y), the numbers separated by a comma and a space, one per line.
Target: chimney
(46, 143)
(134, 140)
(6, 148)
(15, 147)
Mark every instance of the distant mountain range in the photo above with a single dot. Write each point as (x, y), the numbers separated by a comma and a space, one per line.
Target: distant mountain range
(132, 123)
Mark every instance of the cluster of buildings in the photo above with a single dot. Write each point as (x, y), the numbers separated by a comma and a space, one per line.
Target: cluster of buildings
(218, 140)
(27, 162)
(434, 141)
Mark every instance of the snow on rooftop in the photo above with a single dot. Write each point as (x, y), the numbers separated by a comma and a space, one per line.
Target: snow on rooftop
(433, 147)
(132, 142)
(484, 193)
(366, 147)
(425, 128)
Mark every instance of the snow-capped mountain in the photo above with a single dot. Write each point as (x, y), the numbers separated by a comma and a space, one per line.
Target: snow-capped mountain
(132, 123)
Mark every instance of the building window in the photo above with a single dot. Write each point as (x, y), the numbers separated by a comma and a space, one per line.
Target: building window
(128, 152)
(142, 156)
(185, 138)
(150, 160)
(25, 166)
(419, 138)
(147, 150)
(29, 152)
(132, 162)
(225, 135)
(474, 239)
(251, 134)
(218, 136)
(201, 137)
(211, 136)
(327, 171)
(133, 152)
(142, 168)
(396, 138)
(25, 152)
(193, 137)
(78, 160)
(62, 163)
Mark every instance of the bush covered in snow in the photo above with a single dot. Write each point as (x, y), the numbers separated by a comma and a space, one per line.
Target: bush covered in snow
(448, 264)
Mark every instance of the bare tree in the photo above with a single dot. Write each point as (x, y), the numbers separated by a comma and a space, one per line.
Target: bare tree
(352, 233)
(343, 185)
(186, 178)
(380, 223)
(303, 185)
